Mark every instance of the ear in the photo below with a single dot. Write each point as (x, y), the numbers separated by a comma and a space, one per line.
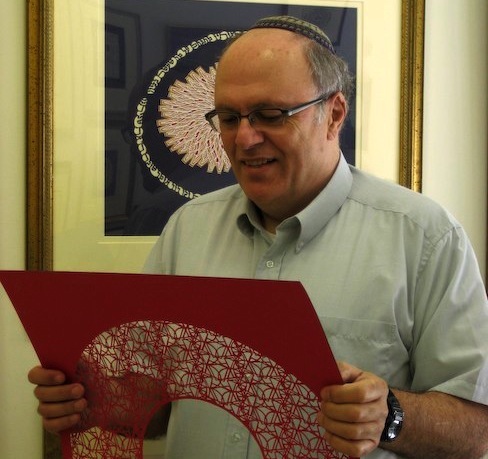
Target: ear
(336, 115)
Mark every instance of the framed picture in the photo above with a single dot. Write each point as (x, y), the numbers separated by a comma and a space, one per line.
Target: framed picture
(122, 49)
(86, 58)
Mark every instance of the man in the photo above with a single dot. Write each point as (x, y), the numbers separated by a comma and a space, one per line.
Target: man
(391, 275)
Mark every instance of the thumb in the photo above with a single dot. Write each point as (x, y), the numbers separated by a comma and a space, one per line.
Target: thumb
(349, 373)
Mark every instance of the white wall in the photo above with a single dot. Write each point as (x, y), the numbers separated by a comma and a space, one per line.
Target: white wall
(455, 167)
(456, 113)
(20, 430)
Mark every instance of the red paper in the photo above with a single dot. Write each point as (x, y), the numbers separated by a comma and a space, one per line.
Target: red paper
(211, 339)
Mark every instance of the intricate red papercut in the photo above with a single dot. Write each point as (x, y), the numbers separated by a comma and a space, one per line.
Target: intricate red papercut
(215, 340)
(190, 362)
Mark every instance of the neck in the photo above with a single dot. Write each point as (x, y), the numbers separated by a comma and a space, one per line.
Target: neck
(269, 223)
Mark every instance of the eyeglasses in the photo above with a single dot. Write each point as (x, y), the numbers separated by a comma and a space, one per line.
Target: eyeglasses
(226, 121)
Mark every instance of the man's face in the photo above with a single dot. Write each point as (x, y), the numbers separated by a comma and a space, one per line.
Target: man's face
(281, 169)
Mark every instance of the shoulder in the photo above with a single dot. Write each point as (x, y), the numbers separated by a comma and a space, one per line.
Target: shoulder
(229, 193)
(213, 201)
(192, 226)
(401, 203)
(209, 209)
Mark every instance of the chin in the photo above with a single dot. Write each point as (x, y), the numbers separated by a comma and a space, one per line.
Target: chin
(258, 193)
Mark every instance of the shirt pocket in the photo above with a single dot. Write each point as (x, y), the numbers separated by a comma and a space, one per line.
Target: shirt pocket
(372, 346)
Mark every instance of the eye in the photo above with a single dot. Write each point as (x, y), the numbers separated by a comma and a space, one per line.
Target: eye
(268, 116)
(228, 118)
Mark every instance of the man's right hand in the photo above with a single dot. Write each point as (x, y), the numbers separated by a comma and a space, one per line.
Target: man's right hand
(60, 404)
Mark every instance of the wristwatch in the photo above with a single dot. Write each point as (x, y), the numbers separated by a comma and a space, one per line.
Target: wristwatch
(394, 420)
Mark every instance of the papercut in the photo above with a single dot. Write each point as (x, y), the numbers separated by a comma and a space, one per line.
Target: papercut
(254, 348)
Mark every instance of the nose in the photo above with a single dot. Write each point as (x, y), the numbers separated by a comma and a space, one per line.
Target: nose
(247, 136)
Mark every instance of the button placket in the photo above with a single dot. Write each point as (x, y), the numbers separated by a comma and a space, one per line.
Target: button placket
(269, 266)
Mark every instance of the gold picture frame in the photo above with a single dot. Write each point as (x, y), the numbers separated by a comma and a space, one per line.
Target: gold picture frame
(41, 129)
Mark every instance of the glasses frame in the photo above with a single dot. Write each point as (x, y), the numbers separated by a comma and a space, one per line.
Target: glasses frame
(285, 113)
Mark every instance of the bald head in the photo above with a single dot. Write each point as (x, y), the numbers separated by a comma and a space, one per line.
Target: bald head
(267, 40)
(271, 54)
(284, 37)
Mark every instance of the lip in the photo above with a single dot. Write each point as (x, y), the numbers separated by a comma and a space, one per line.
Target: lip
(257, 162)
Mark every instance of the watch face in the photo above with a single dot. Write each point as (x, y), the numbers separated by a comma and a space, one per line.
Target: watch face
(394, 420)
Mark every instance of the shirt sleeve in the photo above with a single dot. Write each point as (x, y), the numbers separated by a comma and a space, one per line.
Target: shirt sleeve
(451, 321)
(154, 262)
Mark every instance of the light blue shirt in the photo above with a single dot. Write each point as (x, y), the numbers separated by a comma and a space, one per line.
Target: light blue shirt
(392, 276)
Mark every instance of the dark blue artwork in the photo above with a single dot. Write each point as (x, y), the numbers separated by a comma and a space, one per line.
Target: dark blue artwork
(167, 153)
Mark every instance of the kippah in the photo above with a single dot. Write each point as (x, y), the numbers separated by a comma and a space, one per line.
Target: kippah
(297, 26)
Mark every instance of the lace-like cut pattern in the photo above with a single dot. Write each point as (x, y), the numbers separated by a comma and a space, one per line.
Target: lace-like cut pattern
(181, 123)
(160, 362)
(184, 125)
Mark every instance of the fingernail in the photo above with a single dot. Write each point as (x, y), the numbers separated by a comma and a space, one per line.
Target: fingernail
(80, 405)
(58, 379)
(77, 391)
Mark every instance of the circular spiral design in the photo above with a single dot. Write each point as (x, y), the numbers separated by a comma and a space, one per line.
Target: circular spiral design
(183, 122)
(168, 361)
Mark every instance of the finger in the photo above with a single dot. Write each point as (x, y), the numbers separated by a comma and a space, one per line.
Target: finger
(353, 448)
(355, 413)
(351, 430)
(62, 393)
(57, 425)
(59, 410)
(45, 377)
(353, 440)
(349, 374)
(365, 389)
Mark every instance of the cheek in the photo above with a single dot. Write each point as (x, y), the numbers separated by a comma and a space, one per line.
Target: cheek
(305, 159)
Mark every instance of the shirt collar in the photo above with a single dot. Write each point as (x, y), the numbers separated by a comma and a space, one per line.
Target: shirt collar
(249, 219)
(315, 216)
(326, 204)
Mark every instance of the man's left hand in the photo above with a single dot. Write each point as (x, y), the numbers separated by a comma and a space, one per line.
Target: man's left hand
(354, 414)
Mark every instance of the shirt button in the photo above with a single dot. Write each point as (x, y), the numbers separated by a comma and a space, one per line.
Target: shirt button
(236, 437)
(269, 263)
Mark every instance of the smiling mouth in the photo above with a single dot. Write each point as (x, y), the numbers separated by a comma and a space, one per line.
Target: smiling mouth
(258, 162)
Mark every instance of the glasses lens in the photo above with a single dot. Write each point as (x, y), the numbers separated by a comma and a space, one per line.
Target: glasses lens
(225, 121)
(229, 121)
(267, 117)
